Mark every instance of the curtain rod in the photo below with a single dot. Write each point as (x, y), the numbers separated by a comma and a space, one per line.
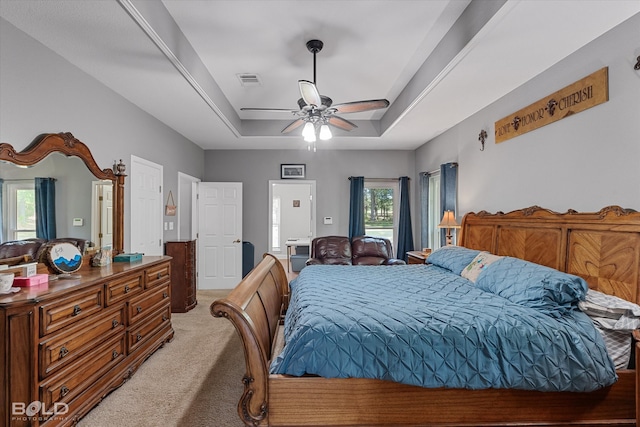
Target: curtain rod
(381, 179)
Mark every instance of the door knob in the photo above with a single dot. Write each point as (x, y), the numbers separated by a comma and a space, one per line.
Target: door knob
(236, 241)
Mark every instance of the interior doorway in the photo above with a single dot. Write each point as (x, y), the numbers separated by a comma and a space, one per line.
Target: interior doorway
(292, 213)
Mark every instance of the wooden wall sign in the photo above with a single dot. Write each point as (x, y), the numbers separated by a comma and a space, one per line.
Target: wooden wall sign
(579, 96)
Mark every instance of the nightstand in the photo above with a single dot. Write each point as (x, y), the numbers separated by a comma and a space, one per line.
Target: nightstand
(418, 257)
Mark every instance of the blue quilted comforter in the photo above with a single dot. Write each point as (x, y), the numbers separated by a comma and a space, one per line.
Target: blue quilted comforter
(424, 325)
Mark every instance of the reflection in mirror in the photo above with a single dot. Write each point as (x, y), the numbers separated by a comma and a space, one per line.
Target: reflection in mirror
(76, 206)
(89, 201)
(102, 213)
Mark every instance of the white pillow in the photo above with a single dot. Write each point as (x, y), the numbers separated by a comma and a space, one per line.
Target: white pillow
(477, 265)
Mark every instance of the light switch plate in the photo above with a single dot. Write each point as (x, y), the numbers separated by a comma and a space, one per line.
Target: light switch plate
(327, 220)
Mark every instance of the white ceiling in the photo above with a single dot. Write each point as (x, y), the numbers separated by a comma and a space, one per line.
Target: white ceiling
(437, 61)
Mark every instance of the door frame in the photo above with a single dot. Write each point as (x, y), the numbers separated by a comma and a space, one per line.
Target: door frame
(312, 183)
(186, 200)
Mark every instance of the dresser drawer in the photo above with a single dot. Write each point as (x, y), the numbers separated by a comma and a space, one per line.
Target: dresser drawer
(157, 275)
(64, 312)
(120, 289)
(142, 305)
(139, 334)
(63, 348)
(74, 379)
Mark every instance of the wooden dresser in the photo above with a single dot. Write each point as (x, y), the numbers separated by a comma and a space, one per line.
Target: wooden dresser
(183, 274)
(66, 345)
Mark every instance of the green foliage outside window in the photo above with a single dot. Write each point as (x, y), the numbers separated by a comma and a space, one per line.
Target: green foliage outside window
(378, 207)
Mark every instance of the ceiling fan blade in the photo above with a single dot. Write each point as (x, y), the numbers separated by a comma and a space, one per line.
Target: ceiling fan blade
(288, 110)
(341, 123)
(293, 125)
(359, 106)
(309, 93)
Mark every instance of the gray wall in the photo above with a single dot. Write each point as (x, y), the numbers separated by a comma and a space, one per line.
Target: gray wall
(41, 92)
(330, 169)
(583, 162)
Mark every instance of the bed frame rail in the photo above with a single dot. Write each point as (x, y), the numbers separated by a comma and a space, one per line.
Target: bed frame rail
(256, 307)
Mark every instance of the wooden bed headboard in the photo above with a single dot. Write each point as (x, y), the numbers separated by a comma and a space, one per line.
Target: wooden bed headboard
(601, 247)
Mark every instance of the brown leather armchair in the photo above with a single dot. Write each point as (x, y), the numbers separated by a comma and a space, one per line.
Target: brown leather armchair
(363, 250)
(330, 250)
(368, 250)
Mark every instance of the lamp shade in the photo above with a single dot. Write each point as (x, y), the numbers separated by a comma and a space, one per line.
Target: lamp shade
(325, 132)
(448, 220)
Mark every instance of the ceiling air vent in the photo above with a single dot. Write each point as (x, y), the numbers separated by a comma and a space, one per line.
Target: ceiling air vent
(248, 79)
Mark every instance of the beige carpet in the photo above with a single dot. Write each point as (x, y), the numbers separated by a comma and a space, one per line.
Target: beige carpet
(195, 380)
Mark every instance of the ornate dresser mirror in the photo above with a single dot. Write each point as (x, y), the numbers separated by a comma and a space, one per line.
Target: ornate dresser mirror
(44, 148)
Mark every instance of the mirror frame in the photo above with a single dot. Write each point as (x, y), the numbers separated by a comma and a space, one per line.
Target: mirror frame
(67, 144)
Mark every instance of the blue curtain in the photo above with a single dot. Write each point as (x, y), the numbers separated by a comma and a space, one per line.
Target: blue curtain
(1, 211)
(448, 186)
(356, 207)
(45, 208)
(424, 209)
(405, 233)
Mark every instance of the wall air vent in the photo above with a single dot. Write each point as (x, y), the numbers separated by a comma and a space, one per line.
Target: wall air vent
(248, 79)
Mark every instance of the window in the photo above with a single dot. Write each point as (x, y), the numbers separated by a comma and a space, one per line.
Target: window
(21, 206)
(381, 200)
(434, 210)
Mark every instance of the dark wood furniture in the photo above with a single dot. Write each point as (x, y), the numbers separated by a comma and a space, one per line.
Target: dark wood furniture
(68, 145)
(418, 257)
(65, 345)
(183, 274)
(69, 343)
(602, 247)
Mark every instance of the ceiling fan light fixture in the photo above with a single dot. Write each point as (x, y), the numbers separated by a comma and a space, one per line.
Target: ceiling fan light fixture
(309, 131)
(325, 132)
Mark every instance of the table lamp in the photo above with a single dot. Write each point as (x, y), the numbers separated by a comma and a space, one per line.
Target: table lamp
(448, 222)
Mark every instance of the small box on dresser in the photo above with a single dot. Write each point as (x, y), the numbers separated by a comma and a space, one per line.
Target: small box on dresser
(183, 274)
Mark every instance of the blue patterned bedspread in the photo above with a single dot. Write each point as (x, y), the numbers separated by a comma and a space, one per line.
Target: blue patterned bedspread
(423, 325)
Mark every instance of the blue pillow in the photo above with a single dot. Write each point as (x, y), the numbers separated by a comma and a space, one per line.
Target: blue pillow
(453, 258)
(532, 285)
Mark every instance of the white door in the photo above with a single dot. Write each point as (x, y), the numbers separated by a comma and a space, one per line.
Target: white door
(102, 213)
(219, 235)
(146, 207)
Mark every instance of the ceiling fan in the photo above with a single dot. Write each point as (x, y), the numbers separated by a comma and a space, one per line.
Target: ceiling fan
(316, 111)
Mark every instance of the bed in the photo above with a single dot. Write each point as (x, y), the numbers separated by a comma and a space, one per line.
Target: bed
(603, 248)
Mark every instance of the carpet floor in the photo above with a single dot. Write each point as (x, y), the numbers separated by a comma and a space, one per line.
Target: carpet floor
(195, 380)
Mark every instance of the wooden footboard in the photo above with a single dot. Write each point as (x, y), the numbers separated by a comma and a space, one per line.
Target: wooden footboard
(256, 307)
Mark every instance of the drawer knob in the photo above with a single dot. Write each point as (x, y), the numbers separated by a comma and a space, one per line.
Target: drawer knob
(114, 323)
(126, 289)
(159, 275)
(164, 318)
(63, 352)
(114, 354)
(76, 310)
(138, 337)
(64, 390)
(139, 309)
(165, 295)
